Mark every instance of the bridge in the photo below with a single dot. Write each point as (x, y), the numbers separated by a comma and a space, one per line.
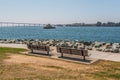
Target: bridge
(12, 24)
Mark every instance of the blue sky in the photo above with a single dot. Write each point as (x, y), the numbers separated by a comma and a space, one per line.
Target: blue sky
(59, 11)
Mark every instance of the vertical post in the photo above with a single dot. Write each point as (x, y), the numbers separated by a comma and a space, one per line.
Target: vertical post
(83, 52)
(83, 55)
(47, 49)
(31, 50)
(47, 52)
(84, 58)
(61, 54)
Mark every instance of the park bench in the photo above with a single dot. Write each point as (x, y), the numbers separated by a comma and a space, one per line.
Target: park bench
(80, 52)
(38, 47)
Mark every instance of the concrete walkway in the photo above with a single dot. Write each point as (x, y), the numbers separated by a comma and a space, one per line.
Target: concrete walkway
(105, 55)
(14, 45)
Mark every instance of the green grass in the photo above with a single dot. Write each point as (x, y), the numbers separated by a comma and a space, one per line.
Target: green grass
(108, 71)
(4, 51)
(113, 73)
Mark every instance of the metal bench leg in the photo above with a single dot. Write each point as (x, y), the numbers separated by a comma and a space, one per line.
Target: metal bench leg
(48, 52)
(61, 54)
(31, 50)
(84, 58)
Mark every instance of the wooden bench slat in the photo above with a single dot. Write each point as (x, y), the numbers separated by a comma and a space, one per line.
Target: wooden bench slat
(38, 47)
(80, 52)
(76, 52)
(65, 50)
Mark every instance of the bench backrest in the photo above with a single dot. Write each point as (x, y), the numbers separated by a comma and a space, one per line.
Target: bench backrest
(38, 47)
(76, 52)
(80, 52)
(65, 50)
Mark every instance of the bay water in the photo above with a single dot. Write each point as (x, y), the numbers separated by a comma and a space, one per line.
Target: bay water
(102, 34)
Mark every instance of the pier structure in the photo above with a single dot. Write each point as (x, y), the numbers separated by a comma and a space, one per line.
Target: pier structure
(14, 24)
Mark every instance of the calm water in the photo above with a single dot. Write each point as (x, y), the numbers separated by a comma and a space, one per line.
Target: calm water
(106, 34)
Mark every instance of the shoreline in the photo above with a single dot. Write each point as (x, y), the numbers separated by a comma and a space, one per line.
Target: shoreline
(89, 45)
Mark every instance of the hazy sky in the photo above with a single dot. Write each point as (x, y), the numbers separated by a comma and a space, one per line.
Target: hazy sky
(59, 11)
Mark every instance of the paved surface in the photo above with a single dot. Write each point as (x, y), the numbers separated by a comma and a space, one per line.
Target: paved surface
(14, 45)
(105, 55)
